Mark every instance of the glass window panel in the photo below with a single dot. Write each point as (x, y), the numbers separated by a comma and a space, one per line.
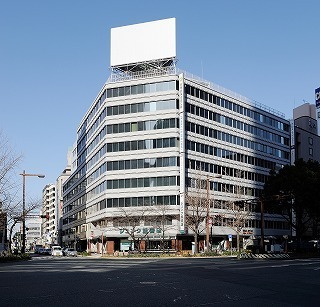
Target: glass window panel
(127, 145)
(134, 164)
(115, 128)
(140, 182)
(115, 92)
(160, 200)
(115, 147)
(159, 143)
(166, 181)
(146, 182)
(121, 146)
(146, 163)
(146, 88)
(134, 90)
(115, 165)
(140, 145)
(165, 162)
(140, 201)
(121, 202)
(109, 92)
(141, 126)
(127, 164)
(121, 128)
(127, 202)
(121, 183)
(121, 109)
(127, 90)
(153, 182)
(134, 127)
(159, 162)
(134, 145)
(153, 106)
(140, 89)
(159, 181)
(146, 107)
(140, 107)
(140, 163)
(115, 184)
(127, 127)
(127, 183)
(109, 184)
(109, 111)
(134, 108)
(121, 165)
(134, 182)
(127, 109)
(121, 91)
(165, 123)
(115, 203)
(134, 201)
(166, 143)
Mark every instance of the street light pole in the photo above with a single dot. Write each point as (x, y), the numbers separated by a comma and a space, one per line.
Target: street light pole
(24, 175)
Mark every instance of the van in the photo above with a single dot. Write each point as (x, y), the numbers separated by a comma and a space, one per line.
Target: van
(56, 251)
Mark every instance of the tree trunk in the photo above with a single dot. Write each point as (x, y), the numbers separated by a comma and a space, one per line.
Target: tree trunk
(238, 242)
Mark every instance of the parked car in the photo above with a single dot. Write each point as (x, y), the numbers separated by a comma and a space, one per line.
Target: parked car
(56, 251)
(70, 252)
(47, 251)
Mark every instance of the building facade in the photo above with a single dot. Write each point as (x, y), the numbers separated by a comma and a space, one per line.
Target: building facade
(150, 134)
(33, 232)
(48, 212)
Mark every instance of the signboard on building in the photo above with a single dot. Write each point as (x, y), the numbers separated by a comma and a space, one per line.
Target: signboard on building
(143, 42)
(317, 97)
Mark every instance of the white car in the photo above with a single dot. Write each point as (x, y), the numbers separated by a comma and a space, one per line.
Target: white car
(56, 251)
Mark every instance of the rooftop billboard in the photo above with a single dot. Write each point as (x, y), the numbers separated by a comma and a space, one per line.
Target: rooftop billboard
(143, 42)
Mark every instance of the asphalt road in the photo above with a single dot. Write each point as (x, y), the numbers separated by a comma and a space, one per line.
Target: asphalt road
(160, 282)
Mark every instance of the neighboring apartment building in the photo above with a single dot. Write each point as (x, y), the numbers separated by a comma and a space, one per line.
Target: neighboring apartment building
(59, 198)
(305, 140)
(149, 134)
(33, 232)
(49, 212)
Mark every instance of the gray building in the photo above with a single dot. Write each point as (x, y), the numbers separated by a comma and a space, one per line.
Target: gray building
(150, 133)
(305, 140)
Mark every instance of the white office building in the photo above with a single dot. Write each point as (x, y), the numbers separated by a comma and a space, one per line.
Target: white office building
(149, 134)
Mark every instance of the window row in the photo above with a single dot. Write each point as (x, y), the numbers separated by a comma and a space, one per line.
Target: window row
(91, 146)
(167, 200)
(223, 187)
(141, 89)
(195, 92)
(237, 140)
(142, 163)
(228, 154)
(82, 142)
(143, 107)
(92, 113)
(225, 171)
(143, 182)
(142, 144)
(234, 123)
(143, 125)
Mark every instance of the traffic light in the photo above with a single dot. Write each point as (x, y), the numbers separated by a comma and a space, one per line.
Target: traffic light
(44, 216)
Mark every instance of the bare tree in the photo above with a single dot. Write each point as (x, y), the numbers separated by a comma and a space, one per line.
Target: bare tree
(238, 211)
(162, 220)
(197, 205)
(8, 187)
(129, 221)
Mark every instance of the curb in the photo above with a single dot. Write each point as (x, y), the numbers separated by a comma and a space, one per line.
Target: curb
(264, 256)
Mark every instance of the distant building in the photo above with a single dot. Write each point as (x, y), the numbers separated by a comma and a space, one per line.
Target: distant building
(33, 232)
(305, 140)
(59, 197)
(49, 212)
(150, 133)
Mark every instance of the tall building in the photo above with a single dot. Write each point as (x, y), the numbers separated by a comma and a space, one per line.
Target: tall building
(149, 134)
(48, 211)
(305, 140)
(59, 197)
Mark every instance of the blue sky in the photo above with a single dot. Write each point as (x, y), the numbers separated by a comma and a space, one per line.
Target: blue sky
(54, 59)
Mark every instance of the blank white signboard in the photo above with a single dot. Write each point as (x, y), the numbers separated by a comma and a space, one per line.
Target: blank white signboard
(143, 42)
